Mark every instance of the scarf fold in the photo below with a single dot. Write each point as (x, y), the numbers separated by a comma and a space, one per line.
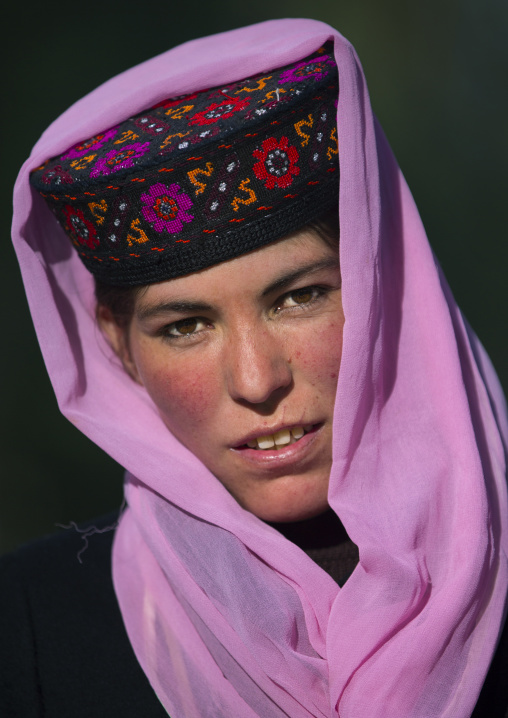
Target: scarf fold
(226, 616)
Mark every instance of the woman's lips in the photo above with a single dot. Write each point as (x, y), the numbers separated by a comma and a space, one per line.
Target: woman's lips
(288, 454)
(278, 436)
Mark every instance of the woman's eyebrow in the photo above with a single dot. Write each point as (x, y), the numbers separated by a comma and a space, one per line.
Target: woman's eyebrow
(288, 278)
(179, 307)
(189, 307)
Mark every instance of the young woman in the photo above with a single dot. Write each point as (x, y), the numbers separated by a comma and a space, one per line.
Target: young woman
(277, 410)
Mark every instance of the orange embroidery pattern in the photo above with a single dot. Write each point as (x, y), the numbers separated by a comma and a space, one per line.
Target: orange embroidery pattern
(335, 149)
(170, 137)
(83, 162)
(139, 237)
(261, 83)
(244, 200)
(127, 136)
(192, 175)
(304, 123)
(270, 95)
(177, 113)
(98, 209)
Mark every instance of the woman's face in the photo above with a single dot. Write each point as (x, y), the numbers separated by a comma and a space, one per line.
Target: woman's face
(245, 354)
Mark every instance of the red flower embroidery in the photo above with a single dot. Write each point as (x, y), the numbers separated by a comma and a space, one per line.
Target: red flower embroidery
(219, 111)
(80, 229)
(277, 163)
(57, 176)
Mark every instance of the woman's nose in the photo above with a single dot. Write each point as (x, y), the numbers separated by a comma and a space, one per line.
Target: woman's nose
(257, 367)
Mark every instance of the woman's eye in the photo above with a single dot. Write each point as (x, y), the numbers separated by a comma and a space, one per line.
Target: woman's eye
(300, 297)
(185, 327)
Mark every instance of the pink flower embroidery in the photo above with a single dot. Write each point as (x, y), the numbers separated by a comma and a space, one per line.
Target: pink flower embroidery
(89, 145)
(165, 207)
(120, 159)
(315, 68)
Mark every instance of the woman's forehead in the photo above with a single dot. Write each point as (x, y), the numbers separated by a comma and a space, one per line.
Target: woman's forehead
(263, 271)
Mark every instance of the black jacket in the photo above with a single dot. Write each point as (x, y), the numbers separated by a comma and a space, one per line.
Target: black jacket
(64, 652)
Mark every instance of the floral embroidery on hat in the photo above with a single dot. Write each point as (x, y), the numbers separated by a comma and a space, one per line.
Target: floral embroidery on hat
(219, 111)
(315, 68)
(80, 230)
(90, 145)
(277, 163)
(165, 207)
(57, 176)
(205, 135)
(152, 125)
(119, 159)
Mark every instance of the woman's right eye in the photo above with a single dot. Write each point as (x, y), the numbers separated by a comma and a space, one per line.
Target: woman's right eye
(185, 327)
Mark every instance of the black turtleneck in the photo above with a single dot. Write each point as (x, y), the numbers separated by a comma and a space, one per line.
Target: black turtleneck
(324, 539)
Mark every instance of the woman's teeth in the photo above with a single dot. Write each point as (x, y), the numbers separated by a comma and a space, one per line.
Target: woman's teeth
(285, 437)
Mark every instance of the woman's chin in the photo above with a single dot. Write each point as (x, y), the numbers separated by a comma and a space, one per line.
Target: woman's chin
(286, 499)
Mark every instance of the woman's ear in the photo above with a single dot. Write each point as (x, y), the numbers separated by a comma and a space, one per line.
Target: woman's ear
(118, 338)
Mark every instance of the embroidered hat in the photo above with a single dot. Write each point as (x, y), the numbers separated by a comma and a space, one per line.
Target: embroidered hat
(202, 178)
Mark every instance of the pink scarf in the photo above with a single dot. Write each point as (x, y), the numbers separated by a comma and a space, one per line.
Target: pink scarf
(226, 616)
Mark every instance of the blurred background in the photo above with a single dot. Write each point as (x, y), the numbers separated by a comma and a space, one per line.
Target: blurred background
(437, 76)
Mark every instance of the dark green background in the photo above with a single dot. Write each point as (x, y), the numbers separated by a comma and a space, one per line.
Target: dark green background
(437, 72)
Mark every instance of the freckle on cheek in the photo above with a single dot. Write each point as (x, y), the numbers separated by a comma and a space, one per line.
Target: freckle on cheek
(181, 397)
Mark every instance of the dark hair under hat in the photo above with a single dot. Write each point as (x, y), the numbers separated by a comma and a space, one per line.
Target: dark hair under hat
(200, 179)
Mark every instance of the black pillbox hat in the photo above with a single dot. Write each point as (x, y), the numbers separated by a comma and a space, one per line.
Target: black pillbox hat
(200, 179)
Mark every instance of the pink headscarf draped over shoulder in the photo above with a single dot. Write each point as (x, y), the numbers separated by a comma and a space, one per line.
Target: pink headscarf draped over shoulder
(226, 616)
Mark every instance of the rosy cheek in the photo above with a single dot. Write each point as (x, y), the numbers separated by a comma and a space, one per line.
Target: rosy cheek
(185, 396)
(320, 360)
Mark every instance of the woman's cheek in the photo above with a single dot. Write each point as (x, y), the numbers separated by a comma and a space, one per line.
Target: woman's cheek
(184, 393)
(332, 350)
(319, 358)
